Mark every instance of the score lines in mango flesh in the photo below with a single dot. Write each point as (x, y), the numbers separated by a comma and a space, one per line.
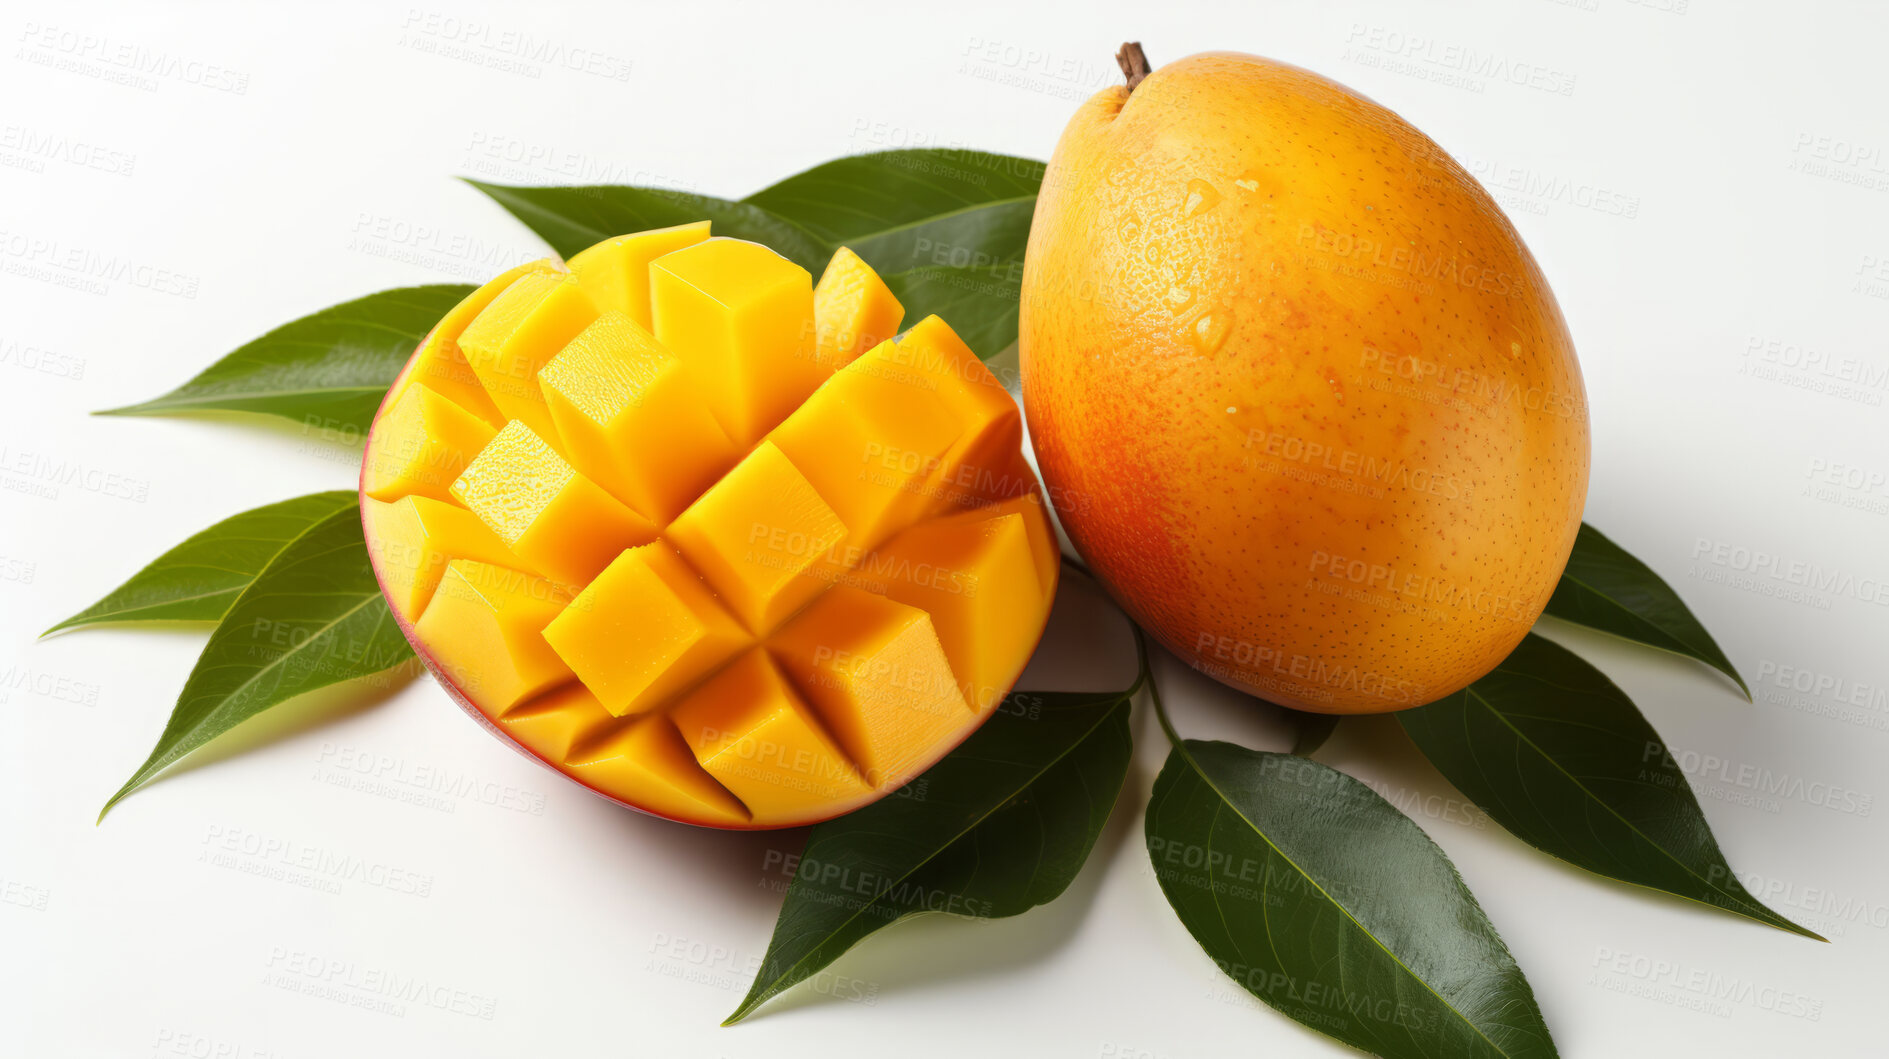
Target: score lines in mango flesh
(705, 537)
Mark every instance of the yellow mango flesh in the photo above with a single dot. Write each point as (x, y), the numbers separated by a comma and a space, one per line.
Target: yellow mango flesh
(415, 537)
(442, 367)
(642, 760)
(484, 627)
(522, 329)
(853, 310)
(878, 674)
(754, 733)
(631, 418)
(696, 567)
(742, 317)
(616, 271)
(646, 628)
(554, 519)
(425, 442)
(957, 570)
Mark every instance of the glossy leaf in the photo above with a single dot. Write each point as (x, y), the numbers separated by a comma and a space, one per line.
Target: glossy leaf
(856, 196)
(313, 617)
(572, 219)
(330, 369)
(1607, 589)
(1000, 825)
(973, 237)
(980, 304)
(1322, 900)
(200, 578)
(1552, 750)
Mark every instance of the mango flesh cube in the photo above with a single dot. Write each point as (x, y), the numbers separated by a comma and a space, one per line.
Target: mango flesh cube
(979, 467)
(741, 317)
(514, 336)
(752, 733)
(875, 671)
(977, 579)
(424, 441)
(442, 367)
(646, 629)
(853, 310)
(484, 627)
(555, 520)
(647, 760)
(615, 272)
(868, 442)
(632, 420)
(704, 538)
(758, 536)
(553, 724)
(642, 760)
(414, 538)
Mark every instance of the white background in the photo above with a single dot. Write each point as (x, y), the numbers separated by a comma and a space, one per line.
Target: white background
(1752, 149)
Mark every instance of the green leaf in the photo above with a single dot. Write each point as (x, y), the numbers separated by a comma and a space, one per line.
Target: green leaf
(313, 617)
(200, 578)
(856, 196)
(1551, 749)
(1604, 588)
(980, 304)
(573, 219)
(973, 237)
(331, 368)
(1321, 899)
(1000, 825)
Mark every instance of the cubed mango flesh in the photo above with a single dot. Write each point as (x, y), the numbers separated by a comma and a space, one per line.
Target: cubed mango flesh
(615, 272)
(752, 731)
(554, 519)
(741, 317)
(853, 310)
(631, 418)
(759, 536)
(442, 367)
(424, 442)
(868, 444)
(875, 671)
(644, 630)
(414, 537)
(703, 540)
(484, 628)
(523, 328)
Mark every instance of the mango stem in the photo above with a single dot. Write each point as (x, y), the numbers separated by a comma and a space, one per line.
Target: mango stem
(1134, 63)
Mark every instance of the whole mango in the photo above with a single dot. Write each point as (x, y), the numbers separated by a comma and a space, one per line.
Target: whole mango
(1301, 396)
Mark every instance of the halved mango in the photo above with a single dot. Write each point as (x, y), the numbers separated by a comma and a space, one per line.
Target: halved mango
(700, 545)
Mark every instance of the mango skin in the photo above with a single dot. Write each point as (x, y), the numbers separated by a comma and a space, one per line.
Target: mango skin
(1302, 398)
